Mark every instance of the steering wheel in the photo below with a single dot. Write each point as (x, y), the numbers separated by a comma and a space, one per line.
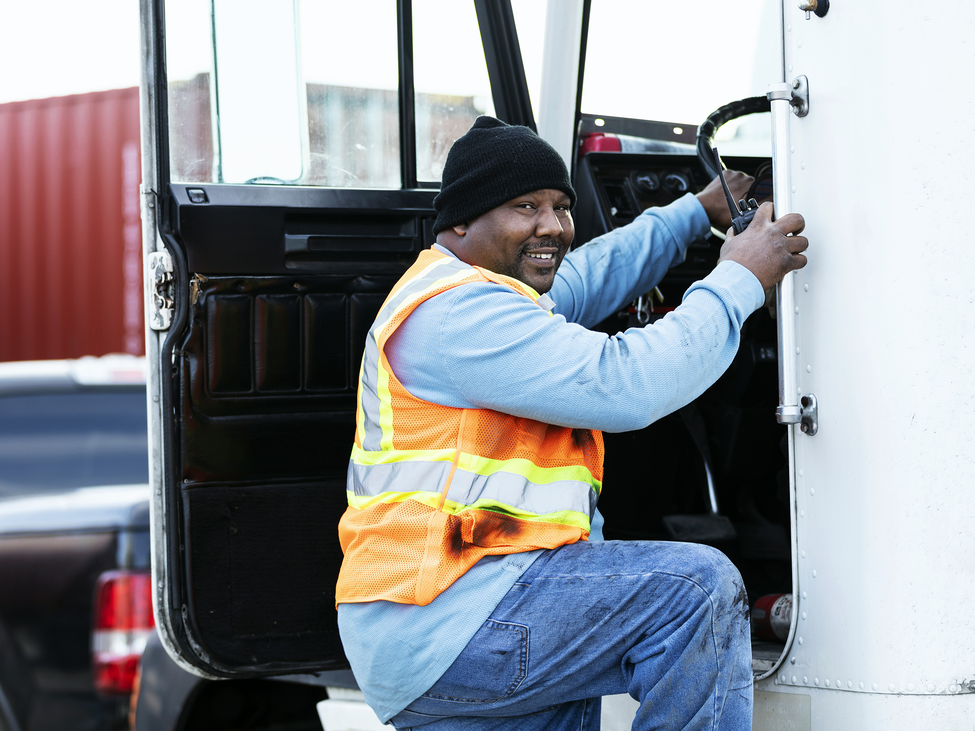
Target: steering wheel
(717, 119)
(711, 162)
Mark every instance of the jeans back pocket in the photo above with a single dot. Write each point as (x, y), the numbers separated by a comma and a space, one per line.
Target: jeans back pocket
(490, 668)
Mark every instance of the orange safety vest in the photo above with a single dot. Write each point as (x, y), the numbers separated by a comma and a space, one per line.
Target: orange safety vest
(432, 488)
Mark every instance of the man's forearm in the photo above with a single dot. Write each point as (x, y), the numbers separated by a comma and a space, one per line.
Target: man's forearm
(597, 279)
(527, 364)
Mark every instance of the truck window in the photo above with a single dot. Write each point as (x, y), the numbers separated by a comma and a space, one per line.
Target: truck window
(452, 88)
(317, 83)
(309, 80)
(530, 19)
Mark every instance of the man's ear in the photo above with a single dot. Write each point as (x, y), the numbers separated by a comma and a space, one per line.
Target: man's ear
(461, 228)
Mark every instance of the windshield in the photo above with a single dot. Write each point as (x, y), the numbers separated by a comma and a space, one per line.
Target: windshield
(678, 62)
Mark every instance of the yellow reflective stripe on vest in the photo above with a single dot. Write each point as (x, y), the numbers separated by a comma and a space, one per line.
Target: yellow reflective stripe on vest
(382, 380)
(530, 471)
(510, 489)
(369, 404)
(361, 502)
(368, 458)
(419, 286)
(417, 289)
(385, 407)
(480, 465)
(372, 372)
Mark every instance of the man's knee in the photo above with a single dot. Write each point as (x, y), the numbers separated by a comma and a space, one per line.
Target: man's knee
(721, 580)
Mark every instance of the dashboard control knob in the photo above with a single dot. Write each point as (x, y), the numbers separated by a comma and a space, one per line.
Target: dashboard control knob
(676, 183)
(646, 181)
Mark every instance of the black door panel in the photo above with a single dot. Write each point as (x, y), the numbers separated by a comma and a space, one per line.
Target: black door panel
(267, 418)
(269, 230)
(266, 373)
(265, 558)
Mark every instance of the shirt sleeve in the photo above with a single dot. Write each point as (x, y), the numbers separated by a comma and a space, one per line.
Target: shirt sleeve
(595, 280)
(485, 346)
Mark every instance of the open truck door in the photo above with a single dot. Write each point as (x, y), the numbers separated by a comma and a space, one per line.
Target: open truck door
(291, 154)
(266, 264)
(290, 162)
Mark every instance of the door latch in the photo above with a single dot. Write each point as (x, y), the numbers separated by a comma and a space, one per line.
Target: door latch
(805, 414)
(161, 282)
(809, 414)
(800, 96)
(796, 93)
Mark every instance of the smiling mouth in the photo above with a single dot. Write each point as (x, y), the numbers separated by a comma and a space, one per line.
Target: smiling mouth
(546, 255)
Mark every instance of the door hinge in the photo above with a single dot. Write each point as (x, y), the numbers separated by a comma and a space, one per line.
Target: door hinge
(196, 281)
(161, 282)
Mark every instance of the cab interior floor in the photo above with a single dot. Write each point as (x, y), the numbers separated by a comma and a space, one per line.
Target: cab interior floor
(765, 655)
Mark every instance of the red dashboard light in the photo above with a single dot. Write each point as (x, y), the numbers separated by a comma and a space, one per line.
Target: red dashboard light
(123, 624)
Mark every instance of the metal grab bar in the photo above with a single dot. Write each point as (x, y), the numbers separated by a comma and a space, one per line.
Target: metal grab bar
(788, 411)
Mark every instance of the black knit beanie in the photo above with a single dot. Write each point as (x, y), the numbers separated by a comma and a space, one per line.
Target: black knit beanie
(491, 164)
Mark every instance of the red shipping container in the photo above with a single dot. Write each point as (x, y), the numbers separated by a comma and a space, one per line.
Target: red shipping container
(70, 232)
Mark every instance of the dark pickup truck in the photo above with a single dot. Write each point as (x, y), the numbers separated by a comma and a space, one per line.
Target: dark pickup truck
(75, 595)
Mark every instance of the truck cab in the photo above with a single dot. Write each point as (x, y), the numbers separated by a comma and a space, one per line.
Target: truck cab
(291, 154)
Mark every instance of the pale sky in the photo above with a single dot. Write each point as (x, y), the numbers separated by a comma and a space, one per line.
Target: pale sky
(56, 47)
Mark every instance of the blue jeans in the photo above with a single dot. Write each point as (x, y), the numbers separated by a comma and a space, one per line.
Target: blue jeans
(665, 622)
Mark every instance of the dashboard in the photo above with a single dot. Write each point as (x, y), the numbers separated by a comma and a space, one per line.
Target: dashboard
(613, 188)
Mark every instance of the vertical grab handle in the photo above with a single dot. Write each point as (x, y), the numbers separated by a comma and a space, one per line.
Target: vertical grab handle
(788, 410)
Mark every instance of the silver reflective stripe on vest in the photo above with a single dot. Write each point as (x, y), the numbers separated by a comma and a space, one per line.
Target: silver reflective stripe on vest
(374, 480)
(517, 491)
(439, 269)
(467, 488)
(372, 433)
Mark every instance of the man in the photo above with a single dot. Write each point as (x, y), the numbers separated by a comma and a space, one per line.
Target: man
(476, 591)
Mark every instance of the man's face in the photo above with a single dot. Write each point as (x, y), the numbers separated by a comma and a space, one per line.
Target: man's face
(525, 238)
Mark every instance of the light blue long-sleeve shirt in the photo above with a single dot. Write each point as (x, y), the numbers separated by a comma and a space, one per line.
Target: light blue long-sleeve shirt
(483, 345)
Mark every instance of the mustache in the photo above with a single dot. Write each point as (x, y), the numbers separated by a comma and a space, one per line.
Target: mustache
(553, 244)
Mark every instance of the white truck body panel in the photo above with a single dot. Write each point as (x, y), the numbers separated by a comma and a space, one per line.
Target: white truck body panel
(885, 318)
(881, 169)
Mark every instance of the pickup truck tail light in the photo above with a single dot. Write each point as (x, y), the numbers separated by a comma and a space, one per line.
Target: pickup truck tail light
(123, 624)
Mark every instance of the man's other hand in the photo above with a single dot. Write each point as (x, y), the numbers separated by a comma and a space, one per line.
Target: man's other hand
(765, 248)
(714, 202)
